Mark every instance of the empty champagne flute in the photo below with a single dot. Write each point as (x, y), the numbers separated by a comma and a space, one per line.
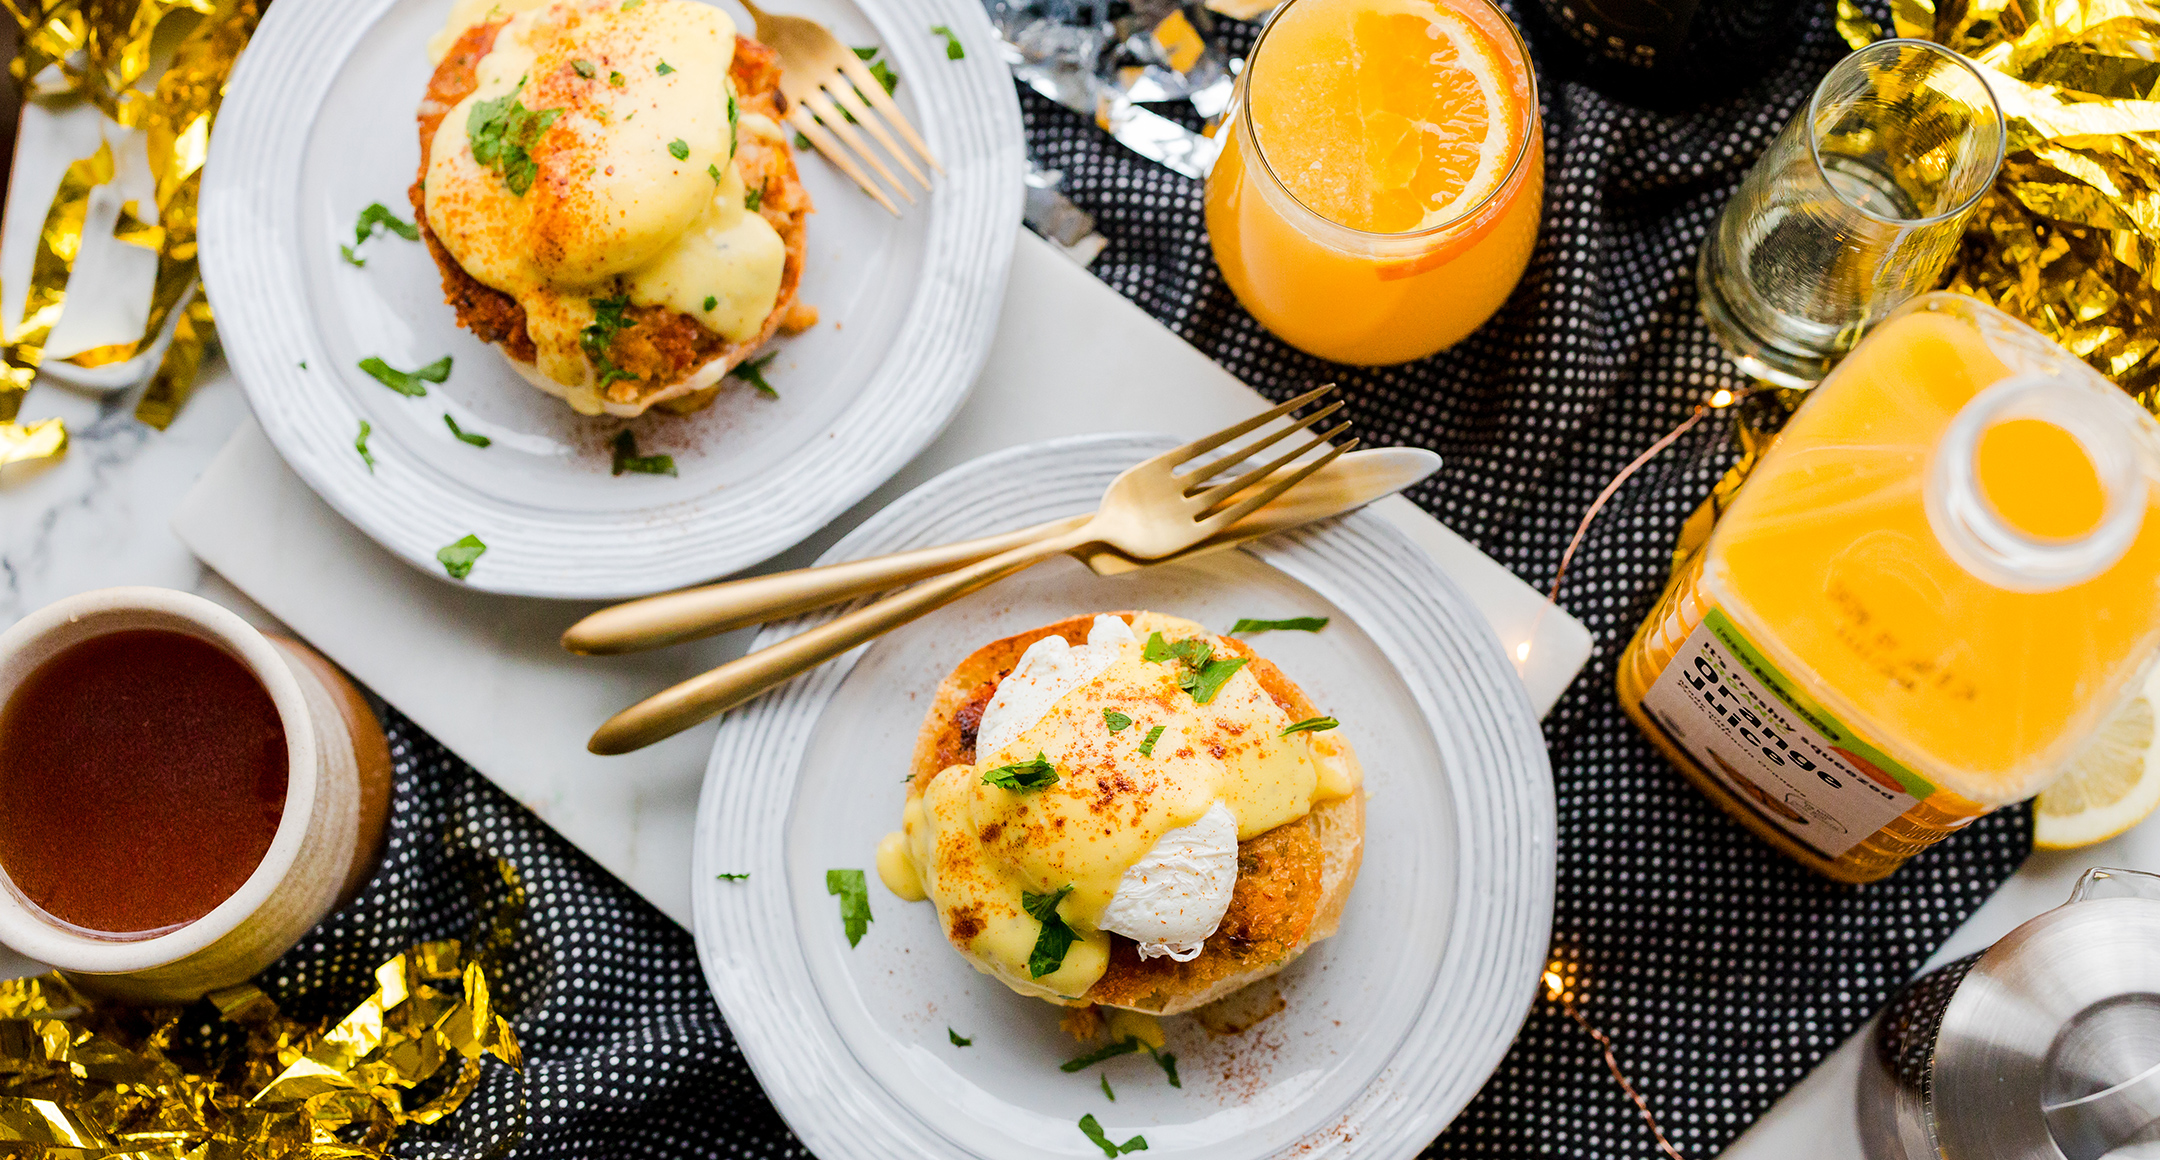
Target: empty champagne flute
(1855, 209)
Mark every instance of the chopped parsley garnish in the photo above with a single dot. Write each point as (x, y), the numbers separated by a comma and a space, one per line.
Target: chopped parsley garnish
(679, 149)
(407, 383)
(1310, 725)
(1147, 747)
(457, 559)
(854, 901)
(373, 220)
(1200, 672)
(616, 79)
(360, 445)
(1211, 679)
(627, 458)
(1125, 1046)
(463, 435)
(753, 198)
(627, 5)
(714, 172)
(1118, 722)
(879, 69)
(1020, 775)
(503, 132)
(584, 68)
(1294, 624)
(732, 877)
(710, 302)
(611, 316)
(1107, 1093)
(734, 123)
(802, 142)
(1056, 938)
(664, 68)
(753, 373)
(1094, 1132)
(953, 51)
(959, 1040)
(1168, 1063)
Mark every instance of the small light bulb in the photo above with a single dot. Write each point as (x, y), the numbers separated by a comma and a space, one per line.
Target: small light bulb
(1555, 986)
(1723, 398)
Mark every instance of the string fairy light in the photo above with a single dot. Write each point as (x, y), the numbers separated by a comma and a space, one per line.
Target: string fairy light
(1561, 989)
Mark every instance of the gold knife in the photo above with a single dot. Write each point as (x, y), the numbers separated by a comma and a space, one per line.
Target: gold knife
(1350, 482)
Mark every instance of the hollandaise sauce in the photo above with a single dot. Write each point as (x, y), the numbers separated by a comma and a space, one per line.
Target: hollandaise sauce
(1136, 755)
(596, 163)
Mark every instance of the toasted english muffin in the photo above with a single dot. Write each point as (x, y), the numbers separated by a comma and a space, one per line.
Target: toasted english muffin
(1292, 882)
(667, 358)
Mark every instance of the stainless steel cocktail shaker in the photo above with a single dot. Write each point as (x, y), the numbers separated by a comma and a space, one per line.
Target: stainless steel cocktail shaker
(2046, 1046)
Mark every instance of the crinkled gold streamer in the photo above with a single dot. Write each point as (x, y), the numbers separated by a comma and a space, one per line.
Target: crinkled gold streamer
(2069, 237)
(84, 1081)
(102, 51)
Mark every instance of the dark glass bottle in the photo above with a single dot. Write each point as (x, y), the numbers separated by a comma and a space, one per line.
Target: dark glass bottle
(1671, 54)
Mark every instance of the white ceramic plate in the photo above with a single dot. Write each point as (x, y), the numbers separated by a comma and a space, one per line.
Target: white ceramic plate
(319, 123)
(1387, 1030)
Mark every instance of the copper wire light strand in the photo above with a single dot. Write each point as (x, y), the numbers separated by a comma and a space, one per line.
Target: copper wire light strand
(1605, 1045)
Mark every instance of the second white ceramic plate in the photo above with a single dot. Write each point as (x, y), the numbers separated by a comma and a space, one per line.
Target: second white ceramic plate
(319, 123)
(1384, 1032)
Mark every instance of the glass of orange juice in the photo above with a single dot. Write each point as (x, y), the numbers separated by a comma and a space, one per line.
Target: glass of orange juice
(1381, 176)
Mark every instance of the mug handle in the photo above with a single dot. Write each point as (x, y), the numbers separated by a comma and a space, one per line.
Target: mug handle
(2106, 882)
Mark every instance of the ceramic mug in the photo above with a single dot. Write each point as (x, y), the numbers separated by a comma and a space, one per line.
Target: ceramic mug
(327, 841)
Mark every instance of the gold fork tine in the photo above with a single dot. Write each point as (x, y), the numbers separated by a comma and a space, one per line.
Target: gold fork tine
(836, 153)
(1199, 447)
(846, 132)
(1272, 492)
(1219, 494)
(870, 88)
(844, 95)
(1195, 480)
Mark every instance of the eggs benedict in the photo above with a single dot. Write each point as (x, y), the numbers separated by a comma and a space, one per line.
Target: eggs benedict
(608, 193)
(1129, 811)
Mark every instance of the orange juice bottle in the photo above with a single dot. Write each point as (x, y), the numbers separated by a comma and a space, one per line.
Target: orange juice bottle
(1381, 175)
(1931, 593)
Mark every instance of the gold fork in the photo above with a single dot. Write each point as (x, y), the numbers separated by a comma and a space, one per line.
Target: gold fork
(1148, 512)
(823, 79)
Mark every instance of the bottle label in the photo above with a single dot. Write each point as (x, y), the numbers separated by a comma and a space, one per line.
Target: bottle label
(1752, 730)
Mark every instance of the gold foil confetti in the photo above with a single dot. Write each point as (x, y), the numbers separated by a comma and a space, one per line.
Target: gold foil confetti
(102, 51)
(2069, 237)
(87, 1081)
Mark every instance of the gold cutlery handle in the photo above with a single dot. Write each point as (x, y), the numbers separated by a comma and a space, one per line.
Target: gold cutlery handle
(694, 613)
(673, 710)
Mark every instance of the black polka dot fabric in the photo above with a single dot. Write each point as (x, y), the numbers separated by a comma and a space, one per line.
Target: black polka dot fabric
(1722, 971)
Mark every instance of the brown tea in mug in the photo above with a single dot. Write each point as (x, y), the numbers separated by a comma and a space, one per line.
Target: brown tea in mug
(142, 777)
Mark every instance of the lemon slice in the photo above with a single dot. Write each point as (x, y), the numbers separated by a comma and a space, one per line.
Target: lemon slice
(2113, 786)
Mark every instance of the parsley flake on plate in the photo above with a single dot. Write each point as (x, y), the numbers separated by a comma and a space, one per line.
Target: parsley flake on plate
(959, 1040)
(753, 373)
(1056, 938)
(628, 459)
(1200, 672)
(457, 559)
(584, 68)
(1020, 775)
(753, 198)
(1093, 1131)
(1118, 722)
(502, 133)
(1125, 1046)
(854, 901)
(953, 51)
(360, 445)
(879, 69)
(1294, 624)
(710, 302)
(679, 149)
(713, 171)
(1107, 1093)
(802, 142)
(1310, 725)
(664, 68)
(732, 877)
(611, 316)
(1147, 747)
(375, 219)
(463, 435)
(411, 384)
(616, 80)
(1210, 679)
